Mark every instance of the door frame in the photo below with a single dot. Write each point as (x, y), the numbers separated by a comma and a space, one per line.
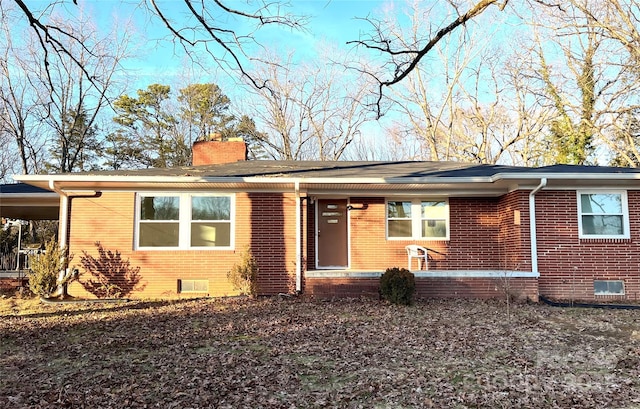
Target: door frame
(315, 232)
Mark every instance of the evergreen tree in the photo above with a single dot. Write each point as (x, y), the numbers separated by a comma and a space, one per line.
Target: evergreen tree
(206, 109)
(76, 146)
(149, 128)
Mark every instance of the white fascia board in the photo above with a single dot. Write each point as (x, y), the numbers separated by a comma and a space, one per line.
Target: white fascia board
(579, 176)
(105, 178)
(440, 180)
(119, 180)
(8, 196)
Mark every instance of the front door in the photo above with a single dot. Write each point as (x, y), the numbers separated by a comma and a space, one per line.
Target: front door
(332, 233)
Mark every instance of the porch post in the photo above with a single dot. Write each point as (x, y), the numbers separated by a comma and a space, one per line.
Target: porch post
(63, 217)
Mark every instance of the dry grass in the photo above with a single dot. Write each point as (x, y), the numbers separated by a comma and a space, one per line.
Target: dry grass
(273, 353)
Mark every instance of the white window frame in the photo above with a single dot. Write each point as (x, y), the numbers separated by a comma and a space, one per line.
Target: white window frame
(416, 218)
(184, 220)
(625, 214)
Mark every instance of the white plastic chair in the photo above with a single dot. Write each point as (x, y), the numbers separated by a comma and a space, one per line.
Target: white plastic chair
(418, 252)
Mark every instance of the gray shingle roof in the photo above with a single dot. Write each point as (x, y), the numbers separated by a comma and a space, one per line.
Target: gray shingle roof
(21, 188)
(350, 169)
(278, 168)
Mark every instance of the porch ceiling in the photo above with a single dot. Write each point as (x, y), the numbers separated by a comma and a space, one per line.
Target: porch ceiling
(44, 206)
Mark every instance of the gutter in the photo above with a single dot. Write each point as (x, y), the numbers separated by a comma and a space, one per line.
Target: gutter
(532, 225)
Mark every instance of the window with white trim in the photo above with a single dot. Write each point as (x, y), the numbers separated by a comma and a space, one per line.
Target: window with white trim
(184, 221)
(418, 219)
(603, 214)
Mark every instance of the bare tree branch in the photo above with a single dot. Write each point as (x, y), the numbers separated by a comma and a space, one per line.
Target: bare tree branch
(212, 30)
(403, 68)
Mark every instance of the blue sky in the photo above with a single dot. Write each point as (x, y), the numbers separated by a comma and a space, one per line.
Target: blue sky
(331, 21)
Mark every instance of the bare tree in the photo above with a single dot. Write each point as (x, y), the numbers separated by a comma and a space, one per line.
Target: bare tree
(225, 31)
(52, 110)
(313, 110)
(19, 107)
(465, 102)
(618, 22)
(214, 28)
(401, 58)
(589, 80)
(73, 102)
(528, 117)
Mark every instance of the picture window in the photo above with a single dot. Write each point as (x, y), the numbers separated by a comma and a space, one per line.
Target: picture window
(184, 221)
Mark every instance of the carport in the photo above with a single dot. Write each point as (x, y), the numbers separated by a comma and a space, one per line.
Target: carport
(26, 202)
(19, 201)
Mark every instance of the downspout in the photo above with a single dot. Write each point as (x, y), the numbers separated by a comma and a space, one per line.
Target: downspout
(63, 215)
(298, 239)
(66, 275)
(532, 224)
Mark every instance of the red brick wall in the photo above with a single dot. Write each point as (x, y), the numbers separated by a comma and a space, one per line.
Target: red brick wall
(216, 152)
(110, 220)
(568, 265)
(11, 284)
(520, 288)
(482, 237)
(514, 239)
(324, 288)
(271, 222)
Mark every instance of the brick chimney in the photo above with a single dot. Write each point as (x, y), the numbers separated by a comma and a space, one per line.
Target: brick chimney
(217, 152)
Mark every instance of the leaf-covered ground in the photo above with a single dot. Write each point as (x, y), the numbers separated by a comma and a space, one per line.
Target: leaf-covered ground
(290, 353)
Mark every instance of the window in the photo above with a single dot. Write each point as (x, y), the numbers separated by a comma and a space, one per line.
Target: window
(159, 221)
(193, 286)
(185, 221)
(399, 219)
(434, 218)
(603, 214)
(418, 219)
(211, 221)
(608, 287)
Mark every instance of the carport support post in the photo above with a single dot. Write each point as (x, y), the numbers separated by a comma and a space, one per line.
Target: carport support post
(62, 238)
(63, 215)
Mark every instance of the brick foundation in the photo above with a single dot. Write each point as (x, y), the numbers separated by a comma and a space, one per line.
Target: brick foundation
(439, 287)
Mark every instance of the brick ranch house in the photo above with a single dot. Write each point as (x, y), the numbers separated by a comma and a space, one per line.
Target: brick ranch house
(329, 229)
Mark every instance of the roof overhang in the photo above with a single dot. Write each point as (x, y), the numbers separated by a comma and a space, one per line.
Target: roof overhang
(494, 185)
(30, 206)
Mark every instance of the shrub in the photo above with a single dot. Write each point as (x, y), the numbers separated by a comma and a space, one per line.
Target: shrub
(244, 275)
(45, 268)
(397, 286)
(109, 274)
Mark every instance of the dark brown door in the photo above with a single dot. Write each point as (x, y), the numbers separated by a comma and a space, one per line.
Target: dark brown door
(332, 234)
